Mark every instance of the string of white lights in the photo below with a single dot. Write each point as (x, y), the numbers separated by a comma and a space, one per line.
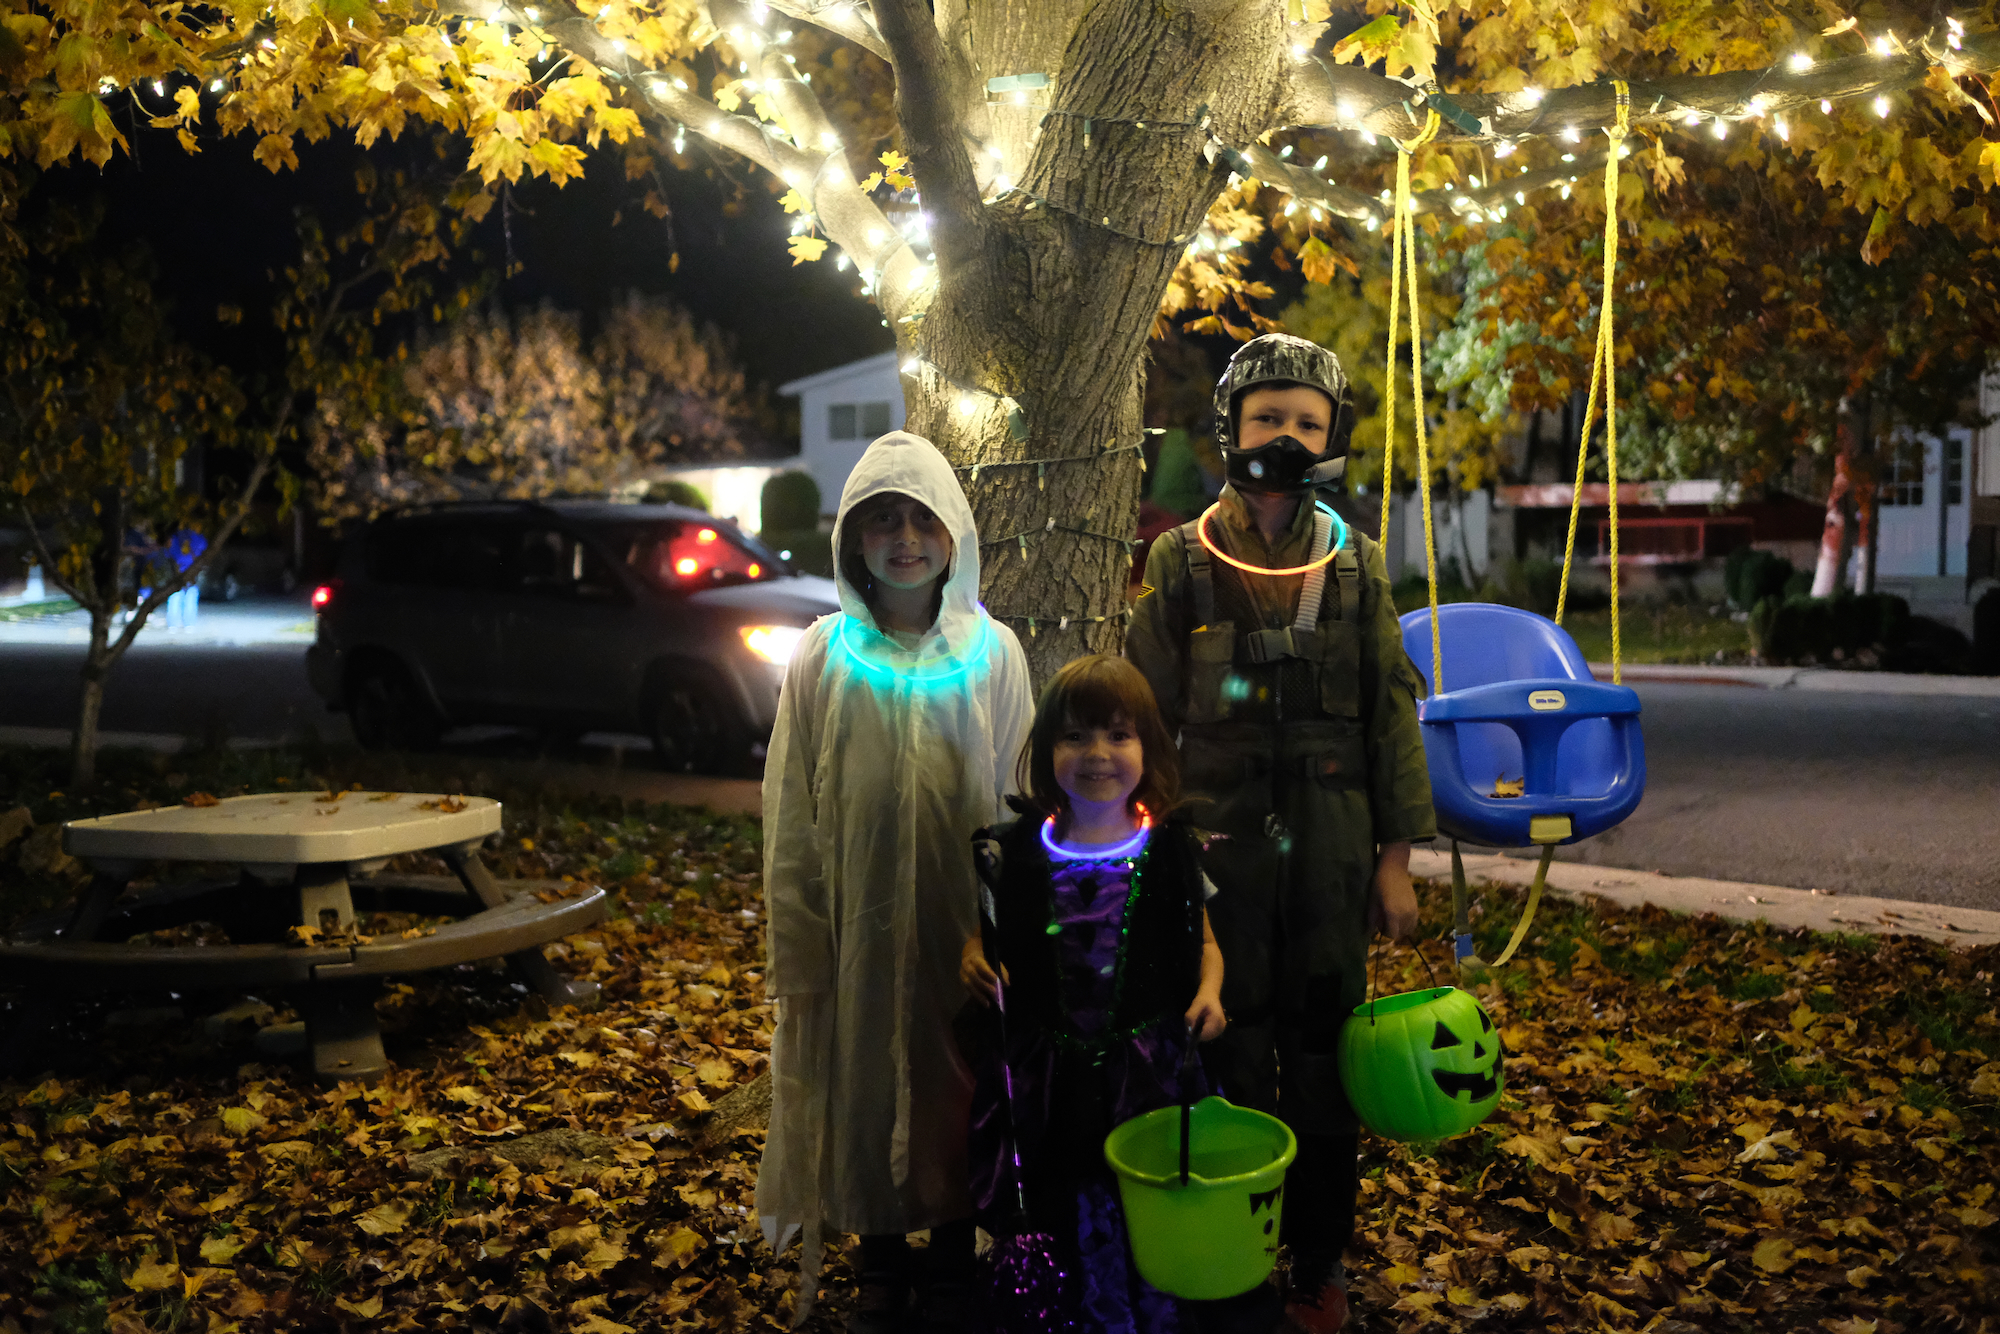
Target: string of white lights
(1061, 620)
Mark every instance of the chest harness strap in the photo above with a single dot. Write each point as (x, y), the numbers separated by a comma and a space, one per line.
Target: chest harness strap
(1296, 640)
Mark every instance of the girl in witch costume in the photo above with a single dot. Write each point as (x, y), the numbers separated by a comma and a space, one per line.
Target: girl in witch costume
(898, 723)
(1095, 962)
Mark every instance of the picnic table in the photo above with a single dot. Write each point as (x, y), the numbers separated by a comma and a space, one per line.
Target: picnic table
(290, 911)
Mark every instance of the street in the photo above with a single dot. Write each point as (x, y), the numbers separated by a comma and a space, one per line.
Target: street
(1889, 795)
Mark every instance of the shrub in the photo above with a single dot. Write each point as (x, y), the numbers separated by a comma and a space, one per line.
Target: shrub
(1801, 630)
(1749, 576)
(1931, 646)
(812, 550)
(790, 502)
(1986, 633)
(673, 491)
(1799, 585)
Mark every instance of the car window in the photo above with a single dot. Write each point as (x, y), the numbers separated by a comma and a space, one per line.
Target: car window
(551, 563)
(677, 557)
(436, 553)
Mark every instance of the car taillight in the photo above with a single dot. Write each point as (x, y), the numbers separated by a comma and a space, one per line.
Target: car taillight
(687, 565)
(323, 595)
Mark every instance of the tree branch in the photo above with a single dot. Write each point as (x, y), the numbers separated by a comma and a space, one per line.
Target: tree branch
(1260, 163)
(933, 130)
(818, 171)
(839, 17)
(1345, 97)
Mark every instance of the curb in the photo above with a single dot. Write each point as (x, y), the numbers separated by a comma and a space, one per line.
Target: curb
(1806, 678)
(1819, 910)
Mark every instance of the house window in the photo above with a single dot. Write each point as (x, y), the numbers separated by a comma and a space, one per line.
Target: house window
(840, 422)
(1954, 470)
(1903, 479)
(874, 419)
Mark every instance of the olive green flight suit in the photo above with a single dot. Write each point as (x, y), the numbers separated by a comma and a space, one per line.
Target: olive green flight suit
(1304, 749)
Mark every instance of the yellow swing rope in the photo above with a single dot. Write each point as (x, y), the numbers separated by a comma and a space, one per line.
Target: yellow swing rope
(1402, 253)
(1601, 374)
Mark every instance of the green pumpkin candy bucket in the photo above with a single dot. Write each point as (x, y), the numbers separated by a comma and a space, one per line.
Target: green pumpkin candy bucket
(1421, 1065)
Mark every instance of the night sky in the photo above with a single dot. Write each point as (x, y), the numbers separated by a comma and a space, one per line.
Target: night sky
(217, 223)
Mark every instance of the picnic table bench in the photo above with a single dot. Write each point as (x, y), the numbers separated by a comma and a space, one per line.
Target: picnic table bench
(301, 858)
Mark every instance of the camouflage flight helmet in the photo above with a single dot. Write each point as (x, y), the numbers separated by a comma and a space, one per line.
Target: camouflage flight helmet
(1272, 358)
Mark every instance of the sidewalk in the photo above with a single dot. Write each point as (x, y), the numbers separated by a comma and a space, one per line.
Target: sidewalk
(1820, 910)
(249, 621)
(1805, 678)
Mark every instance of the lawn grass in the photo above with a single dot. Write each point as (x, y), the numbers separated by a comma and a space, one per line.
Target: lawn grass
(1661, 633)
(30, 611)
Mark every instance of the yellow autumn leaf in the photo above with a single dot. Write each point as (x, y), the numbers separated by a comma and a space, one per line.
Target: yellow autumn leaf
(602, 1255)
(221, 1250)
(1773, 1255)
(275, 152)
(677, 1247)
(870, 181)
(466, 1094)
(1767, 1146)
(1527, 1146)
(716, 1074)
(597, 1324)
(390, 1216)
(794, 202)
(893, 160)
(727, 97)
(240, 1121)
(152, 1276)
(806, 248)
(367, 1310)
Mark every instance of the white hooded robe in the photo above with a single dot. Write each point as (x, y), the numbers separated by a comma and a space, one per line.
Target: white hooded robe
(882, 763)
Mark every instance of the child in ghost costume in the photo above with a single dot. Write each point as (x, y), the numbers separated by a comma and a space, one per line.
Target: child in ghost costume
(897, 732)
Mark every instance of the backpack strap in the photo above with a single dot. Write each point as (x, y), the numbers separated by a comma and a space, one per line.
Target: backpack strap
(1201, 573)
(1315, 584)
(1347, 573)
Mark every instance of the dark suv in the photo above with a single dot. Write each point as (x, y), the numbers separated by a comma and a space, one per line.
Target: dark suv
(566, 616)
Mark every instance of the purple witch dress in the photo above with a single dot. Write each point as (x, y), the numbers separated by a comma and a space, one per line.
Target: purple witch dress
(1067, 1096)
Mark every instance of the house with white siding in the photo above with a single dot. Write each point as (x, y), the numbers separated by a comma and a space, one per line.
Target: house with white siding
(840, 412)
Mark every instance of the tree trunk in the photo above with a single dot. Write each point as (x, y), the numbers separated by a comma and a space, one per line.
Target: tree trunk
(1833, 537)
(83, 742)
(1865, 539)
(1055, 307)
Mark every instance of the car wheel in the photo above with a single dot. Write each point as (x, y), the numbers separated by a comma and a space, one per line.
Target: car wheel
(388, 712)
(694, 729)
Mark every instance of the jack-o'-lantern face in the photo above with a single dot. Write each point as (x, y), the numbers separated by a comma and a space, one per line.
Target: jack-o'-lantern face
(1421, 1065)
(1467, 1062)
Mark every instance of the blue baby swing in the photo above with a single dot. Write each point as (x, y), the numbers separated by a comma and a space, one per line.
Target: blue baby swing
(1524, 746)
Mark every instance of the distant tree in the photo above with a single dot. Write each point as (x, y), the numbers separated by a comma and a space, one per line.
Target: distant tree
(496, 405)
(101, 405)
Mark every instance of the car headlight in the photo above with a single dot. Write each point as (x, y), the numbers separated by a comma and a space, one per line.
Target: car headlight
(773, 643)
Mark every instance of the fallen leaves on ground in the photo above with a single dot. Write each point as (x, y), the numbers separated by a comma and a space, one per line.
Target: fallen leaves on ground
(1707, 1127)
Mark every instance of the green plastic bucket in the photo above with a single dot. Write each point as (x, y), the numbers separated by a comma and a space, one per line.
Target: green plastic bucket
(1217, 1236)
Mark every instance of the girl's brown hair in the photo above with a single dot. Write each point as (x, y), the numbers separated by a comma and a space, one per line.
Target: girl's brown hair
(1091, 692)
(854, 566)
